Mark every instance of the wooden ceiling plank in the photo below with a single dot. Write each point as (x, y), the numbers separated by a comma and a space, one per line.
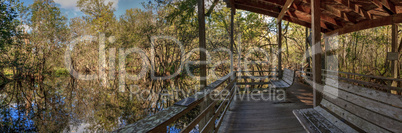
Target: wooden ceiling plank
(303, 6)
(284, 9)
(348, 20)
(389, 5)
(307, 18)
(355, 8)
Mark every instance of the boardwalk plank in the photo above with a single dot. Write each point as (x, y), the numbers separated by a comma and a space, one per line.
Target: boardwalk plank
(265, 116)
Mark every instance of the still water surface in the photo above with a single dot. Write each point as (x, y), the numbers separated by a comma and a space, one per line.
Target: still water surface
(64, 104)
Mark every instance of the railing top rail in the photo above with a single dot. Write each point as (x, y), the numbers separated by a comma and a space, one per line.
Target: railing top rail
(335, 75)
(362, 75)
(159, 121)
(256, 71)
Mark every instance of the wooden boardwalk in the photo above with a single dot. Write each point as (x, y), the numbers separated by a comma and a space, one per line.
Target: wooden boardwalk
(267, 116)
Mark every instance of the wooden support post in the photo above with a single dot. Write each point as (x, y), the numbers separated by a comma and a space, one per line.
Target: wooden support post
(232, 13)
(394, 49)
(203, 67)
(280, 48)
(307, 52)
(239, 59)
(316, 48)
(201, 30)
(400, 64)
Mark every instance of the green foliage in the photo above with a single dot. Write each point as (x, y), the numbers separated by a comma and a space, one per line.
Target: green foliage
(8, 23)
(182, 11)
(46, 18)
(48, 36)
(135, 29)
(61, 72)
(99, 14)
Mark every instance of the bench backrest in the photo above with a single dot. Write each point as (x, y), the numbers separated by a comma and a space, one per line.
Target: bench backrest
(367, 109)
(288, 76)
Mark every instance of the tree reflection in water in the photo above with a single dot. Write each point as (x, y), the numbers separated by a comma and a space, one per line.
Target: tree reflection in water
(65, 104)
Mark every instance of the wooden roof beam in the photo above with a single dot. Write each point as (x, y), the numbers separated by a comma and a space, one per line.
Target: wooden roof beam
(340, 14)
(294, 5)
(229, 3)
(396, 18)
(307, 17)
(387, 5)
(303, 6)
(331, 11)
(284, 9)
(302, 20)
(303, 13)
(269, 13)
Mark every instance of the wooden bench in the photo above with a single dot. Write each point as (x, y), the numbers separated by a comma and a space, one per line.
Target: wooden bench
(285, 82)
(351, 108)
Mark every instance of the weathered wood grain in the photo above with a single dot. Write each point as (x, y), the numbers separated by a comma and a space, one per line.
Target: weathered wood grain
(317, 121)
(338, 123)
(355, 120)
(368, 109)
(369, 104)
(373, 117)
(388, 98)
(265, 116)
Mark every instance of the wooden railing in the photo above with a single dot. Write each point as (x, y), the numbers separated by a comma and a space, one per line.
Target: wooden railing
(346, 76)
(306, 73)
(212, 115)
(256, 79)
(256, 75)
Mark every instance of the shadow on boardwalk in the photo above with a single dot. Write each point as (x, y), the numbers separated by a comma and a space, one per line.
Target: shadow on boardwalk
(268, 116)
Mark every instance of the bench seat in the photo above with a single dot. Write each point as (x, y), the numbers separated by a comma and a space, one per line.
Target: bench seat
(351, 108)
(280, 84)
(319, 120)
(285, 82)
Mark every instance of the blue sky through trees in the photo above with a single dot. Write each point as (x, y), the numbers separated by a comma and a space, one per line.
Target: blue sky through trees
(70, 10)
